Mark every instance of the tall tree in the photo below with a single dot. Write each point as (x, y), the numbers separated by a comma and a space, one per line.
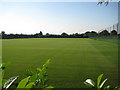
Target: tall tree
(3, 32)
(40, 34)
(3, 35)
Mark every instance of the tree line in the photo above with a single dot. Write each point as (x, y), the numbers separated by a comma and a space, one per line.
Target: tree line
(87, 34)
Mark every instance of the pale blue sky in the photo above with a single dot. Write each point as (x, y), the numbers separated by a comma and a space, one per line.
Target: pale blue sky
(56, 17)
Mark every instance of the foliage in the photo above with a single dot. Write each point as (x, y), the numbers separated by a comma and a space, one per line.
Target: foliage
(25, 83)
(36, 80)
(63, 35)
(40, 77)
(104, 1)
(99, 85)
(9, 82)
(104, 33)
(3, 66)
(5, 83)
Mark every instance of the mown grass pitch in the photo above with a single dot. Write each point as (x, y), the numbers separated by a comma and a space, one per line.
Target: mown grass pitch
(73, 60)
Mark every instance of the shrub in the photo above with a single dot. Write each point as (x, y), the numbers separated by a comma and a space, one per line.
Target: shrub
(35, 80)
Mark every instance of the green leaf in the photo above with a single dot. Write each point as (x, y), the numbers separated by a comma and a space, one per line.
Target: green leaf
(108, 86)
(29, 72)
(48, 88)
(38, 69)
(117, 88)
(30, 85)
(43, 71)
(4, 65)
(99, 80)
(89, 83)
(103, 83)
(9, 82)
(4, 81)
(46, 63)
(23, 83)
(33, 78)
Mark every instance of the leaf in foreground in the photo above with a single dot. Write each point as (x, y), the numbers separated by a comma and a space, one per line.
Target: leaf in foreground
(99, 80)
(103, 83)
(90, 83)
(23, 83)
(30, 85)
(9, 82)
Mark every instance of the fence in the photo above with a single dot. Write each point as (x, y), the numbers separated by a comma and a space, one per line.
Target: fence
(115, 27)
(111, 38)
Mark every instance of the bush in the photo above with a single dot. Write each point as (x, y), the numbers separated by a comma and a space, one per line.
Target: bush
(34, 80)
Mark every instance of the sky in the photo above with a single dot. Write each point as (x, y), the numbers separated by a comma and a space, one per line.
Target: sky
(56, 17)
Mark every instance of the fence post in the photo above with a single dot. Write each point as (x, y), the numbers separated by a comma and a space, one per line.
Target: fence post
(117, 28)
(113, 27)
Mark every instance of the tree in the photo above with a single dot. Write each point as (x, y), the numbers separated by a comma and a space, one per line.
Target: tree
(104, 33)
(113, 32)
(64, 34)
(47, 35)
(87, 34)
(3, 32)
(40, 34)
(93, 33)
(76, 34)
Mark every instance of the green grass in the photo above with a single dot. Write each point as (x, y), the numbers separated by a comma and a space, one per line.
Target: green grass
(72, 60)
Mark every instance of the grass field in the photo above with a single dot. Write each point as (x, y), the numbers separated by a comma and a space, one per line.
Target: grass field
(72, 60)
